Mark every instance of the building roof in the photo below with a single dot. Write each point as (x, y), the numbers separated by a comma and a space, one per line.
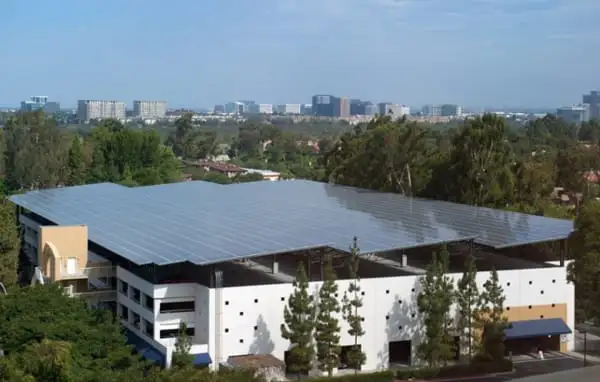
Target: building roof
(206, 223)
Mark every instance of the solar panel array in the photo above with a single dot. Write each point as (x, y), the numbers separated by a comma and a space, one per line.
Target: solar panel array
(208, 223)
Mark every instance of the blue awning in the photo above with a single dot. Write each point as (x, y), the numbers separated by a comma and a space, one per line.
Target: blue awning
(143, 348)
(202, 359)
(536, 328)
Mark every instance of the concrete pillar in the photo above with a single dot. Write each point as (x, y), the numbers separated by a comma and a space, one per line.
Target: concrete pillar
(218, 279)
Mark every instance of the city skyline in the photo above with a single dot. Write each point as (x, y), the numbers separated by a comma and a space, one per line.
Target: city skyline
(475, 53)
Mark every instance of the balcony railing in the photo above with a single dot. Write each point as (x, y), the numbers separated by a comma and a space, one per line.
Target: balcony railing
(95, 270)
(102, 294)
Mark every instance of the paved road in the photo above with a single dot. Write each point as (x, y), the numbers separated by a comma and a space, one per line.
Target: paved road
(535, 367)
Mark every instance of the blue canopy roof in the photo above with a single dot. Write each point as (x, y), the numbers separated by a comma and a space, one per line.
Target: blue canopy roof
(536, 328)
(146, 350)
(202, 359)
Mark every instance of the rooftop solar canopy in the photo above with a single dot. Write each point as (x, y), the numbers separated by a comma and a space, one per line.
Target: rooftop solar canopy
(207, 223)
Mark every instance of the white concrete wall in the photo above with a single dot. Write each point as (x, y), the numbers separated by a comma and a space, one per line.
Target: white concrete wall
(248, 319)
(245, 308)
(199, 319)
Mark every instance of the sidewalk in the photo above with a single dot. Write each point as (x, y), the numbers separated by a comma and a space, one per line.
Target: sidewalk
(592, 359)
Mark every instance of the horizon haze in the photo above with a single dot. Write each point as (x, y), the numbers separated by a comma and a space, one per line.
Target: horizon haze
(478, 53)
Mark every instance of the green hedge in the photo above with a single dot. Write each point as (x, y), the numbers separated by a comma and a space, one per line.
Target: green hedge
(383, 376)
(474, 369)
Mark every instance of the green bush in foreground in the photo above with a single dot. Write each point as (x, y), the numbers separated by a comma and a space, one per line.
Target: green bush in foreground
(476, 368)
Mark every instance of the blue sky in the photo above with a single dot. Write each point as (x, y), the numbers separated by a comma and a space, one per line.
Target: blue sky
(199, 52)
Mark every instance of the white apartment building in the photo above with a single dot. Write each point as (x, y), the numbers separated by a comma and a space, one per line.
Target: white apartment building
(100, 109)
(148, 254)
(265, 108)
(149, 109)
(290, 108)
(397, 110)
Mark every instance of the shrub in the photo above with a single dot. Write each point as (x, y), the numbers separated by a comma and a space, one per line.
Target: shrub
(383, 376)
(475, 368)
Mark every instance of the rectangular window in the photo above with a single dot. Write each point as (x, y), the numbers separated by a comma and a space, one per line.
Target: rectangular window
(124, 312)
(135, 294)
(124, 287)
(149, 328)
(174, 333)
(136, 320)
(148, 302)
(177, 307)
(71, 265)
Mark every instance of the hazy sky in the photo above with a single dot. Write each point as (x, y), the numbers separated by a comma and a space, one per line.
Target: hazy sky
(200, 52)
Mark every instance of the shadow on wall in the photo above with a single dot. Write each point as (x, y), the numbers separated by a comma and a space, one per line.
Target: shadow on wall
(262, 343)
(402, 324)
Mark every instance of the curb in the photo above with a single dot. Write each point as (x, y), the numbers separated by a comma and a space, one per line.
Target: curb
(458, 379)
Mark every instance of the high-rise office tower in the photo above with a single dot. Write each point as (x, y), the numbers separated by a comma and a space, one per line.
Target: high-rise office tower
(344, 107)
(574, 114)
(431, 110)
(326, 106)
(450, 110)
(593, 99)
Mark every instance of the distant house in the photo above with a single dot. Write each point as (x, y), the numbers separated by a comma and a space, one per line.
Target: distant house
(267, 174)
(228, 169)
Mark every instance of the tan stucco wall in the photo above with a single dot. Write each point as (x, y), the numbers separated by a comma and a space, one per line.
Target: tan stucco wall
(57, 244)
(536, 312)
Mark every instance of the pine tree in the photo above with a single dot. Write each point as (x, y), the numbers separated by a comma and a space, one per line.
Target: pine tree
(327, 327)
(492, 319)
(351, 303)
(434, 302)
(467, 300)
(181, 355)
(299, 317)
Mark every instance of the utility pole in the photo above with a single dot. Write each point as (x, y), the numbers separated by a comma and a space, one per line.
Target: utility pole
(584, 347)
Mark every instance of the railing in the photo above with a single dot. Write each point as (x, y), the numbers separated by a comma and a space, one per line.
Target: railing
(96, 271)
(103, 293)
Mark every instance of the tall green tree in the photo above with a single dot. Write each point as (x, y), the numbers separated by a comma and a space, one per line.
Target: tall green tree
(96, 340)
(181, 355)
(299, 318)
(480, 163)
(572, 163)
(434, 302)
(351, 304)
(492, 319)
(584, 270)
(385, 155)
(180, 139)
(327, 327)
(467, 301)
(49, 360)
(77, 162)
(36, 152)
(9, 244)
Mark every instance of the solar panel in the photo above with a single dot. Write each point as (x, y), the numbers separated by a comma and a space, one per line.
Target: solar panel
(208, 223)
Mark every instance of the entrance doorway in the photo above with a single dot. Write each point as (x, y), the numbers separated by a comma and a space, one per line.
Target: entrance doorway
(531, 345)
(399, 353)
